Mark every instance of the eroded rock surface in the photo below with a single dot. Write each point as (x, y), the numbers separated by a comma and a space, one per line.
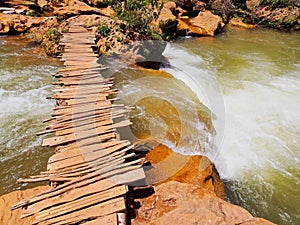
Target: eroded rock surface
(180, 203)
(205, 24)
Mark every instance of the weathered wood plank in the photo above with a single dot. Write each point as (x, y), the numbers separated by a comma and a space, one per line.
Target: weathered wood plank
(102, 209)
(98, 183)
(107, 220)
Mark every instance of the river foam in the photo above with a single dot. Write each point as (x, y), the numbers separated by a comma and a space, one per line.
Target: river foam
(259, 154)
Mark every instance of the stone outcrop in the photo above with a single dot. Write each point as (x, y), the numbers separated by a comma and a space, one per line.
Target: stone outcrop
(205, 24)
(181, 203)
(193, 194)
(76, 7)
(275, 14)
(237, 22)
(189, 18)
(17, 23)
(198, 171)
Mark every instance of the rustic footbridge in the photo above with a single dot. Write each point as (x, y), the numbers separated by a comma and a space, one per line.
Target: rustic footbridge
(91, 167)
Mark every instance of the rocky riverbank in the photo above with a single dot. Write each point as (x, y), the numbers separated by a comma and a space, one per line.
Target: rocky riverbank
(194, 195)
(116, 23)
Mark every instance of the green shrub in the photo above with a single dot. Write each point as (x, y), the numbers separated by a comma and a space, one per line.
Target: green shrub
(53, 34)
(275, 3)
(137, 15)
(104, 30)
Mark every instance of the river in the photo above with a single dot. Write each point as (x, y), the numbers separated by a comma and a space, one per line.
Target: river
(234, 98)
(247, 82)
(258, 72)
(25, 82)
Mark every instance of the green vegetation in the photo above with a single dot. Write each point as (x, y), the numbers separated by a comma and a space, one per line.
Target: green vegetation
(53, 34)
(104, 30)
(137, 16)
(51, 40)
(31, 13)
(275, 3)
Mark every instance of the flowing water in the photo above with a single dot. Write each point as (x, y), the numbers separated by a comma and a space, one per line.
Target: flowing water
(234, 98)
(258, 72)
(250, 82)
(25, 78)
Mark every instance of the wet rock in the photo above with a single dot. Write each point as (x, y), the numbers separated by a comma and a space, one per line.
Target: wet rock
(7, 216)
(198, 171)
(205, 24)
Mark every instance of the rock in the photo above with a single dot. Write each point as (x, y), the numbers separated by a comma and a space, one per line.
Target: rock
(167, 20)
(237, 22)
(252, 4)
(193, 7)
(282, 18)
(205, 24)
(19, 23)
(181, 12)
(7, 216)
(223, 8)
(166, 12)
(4, 27)
(198, 171)
(180, 203)
(76, 7)
(45, 5)
(91, 20)
(257, 221)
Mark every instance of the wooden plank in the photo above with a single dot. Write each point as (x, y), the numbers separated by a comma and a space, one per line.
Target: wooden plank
(78, 204)
(102, 209)
(54, 141)
(65, 164)
(73, 150)
(72, 190)
(107, 220)
(90, 158)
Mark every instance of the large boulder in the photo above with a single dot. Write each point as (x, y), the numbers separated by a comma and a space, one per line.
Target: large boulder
(180, 203)
(205, 24)
(198, 171)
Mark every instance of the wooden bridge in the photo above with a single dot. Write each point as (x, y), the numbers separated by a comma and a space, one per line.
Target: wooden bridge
(91, 167)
